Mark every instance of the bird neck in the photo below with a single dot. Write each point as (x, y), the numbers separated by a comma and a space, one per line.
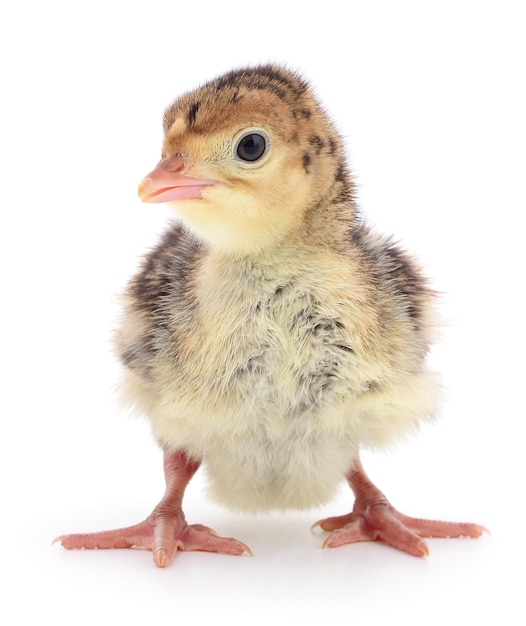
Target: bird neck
(327, 228)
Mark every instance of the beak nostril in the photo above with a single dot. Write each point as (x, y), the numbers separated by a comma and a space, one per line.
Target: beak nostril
(174, 164)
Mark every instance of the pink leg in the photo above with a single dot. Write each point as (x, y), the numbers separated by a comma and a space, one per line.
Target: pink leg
(374, 519)
(165, 530)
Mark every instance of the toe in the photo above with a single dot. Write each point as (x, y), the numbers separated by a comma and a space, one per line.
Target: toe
(333, 523)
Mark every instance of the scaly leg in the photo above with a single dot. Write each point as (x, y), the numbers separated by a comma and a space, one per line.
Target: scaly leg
(374, 519)
(165, 530)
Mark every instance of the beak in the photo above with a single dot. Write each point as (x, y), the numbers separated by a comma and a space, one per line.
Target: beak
(167, 182)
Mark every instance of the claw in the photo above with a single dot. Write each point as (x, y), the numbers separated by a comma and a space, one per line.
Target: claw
(160, 558)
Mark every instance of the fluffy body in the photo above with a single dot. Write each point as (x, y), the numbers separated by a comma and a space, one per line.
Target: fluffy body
(273, 371)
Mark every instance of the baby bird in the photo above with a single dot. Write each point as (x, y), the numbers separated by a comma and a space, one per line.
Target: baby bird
(270, 334)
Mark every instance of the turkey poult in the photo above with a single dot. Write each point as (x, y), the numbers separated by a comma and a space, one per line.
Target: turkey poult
(270, 334)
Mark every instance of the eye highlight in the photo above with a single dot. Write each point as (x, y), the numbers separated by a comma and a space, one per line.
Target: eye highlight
(252, 146)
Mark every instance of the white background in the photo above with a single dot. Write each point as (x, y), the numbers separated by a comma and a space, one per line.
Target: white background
(430, 99)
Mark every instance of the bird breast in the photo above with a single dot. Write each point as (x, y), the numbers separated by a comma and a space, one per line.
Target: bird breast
(265, 341)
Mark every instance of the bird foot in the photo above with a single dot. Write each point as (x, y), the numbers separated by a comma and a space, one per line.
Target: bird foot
(162, 533)
(380, 521)
(374, 519)
(165, 531)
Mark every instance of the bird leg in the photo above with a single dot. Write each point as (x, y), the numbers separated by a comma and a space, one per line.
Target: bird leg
(165, 530)
(374, 519)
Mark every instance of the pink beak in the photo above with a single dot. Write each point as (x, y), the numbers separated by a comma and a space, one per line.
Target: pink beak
(167, 182)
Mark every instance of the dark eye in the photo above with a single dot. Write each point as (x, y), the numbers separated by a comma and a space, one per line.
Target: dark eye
(251, 147)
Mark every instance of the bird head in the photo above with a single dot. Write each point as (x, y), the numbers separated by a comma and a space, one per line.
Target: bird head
(246, 158)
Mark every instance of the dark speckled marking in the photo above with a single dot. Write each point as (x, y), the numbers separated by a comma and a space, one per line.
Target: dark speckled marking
(262, 78)
(340, 174)
(236, 97)
(410, 282)
(193, 112)
(150, 285)
(138, 356)
(325, 326)
(165, 270)
(317, 383)
(265, 86)
(299, 114)
(399, 272)
(295, 85)
(255, 364)
(306, 161)
(162, 280)
(346, 348)
(317, 143)
(129, 356)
